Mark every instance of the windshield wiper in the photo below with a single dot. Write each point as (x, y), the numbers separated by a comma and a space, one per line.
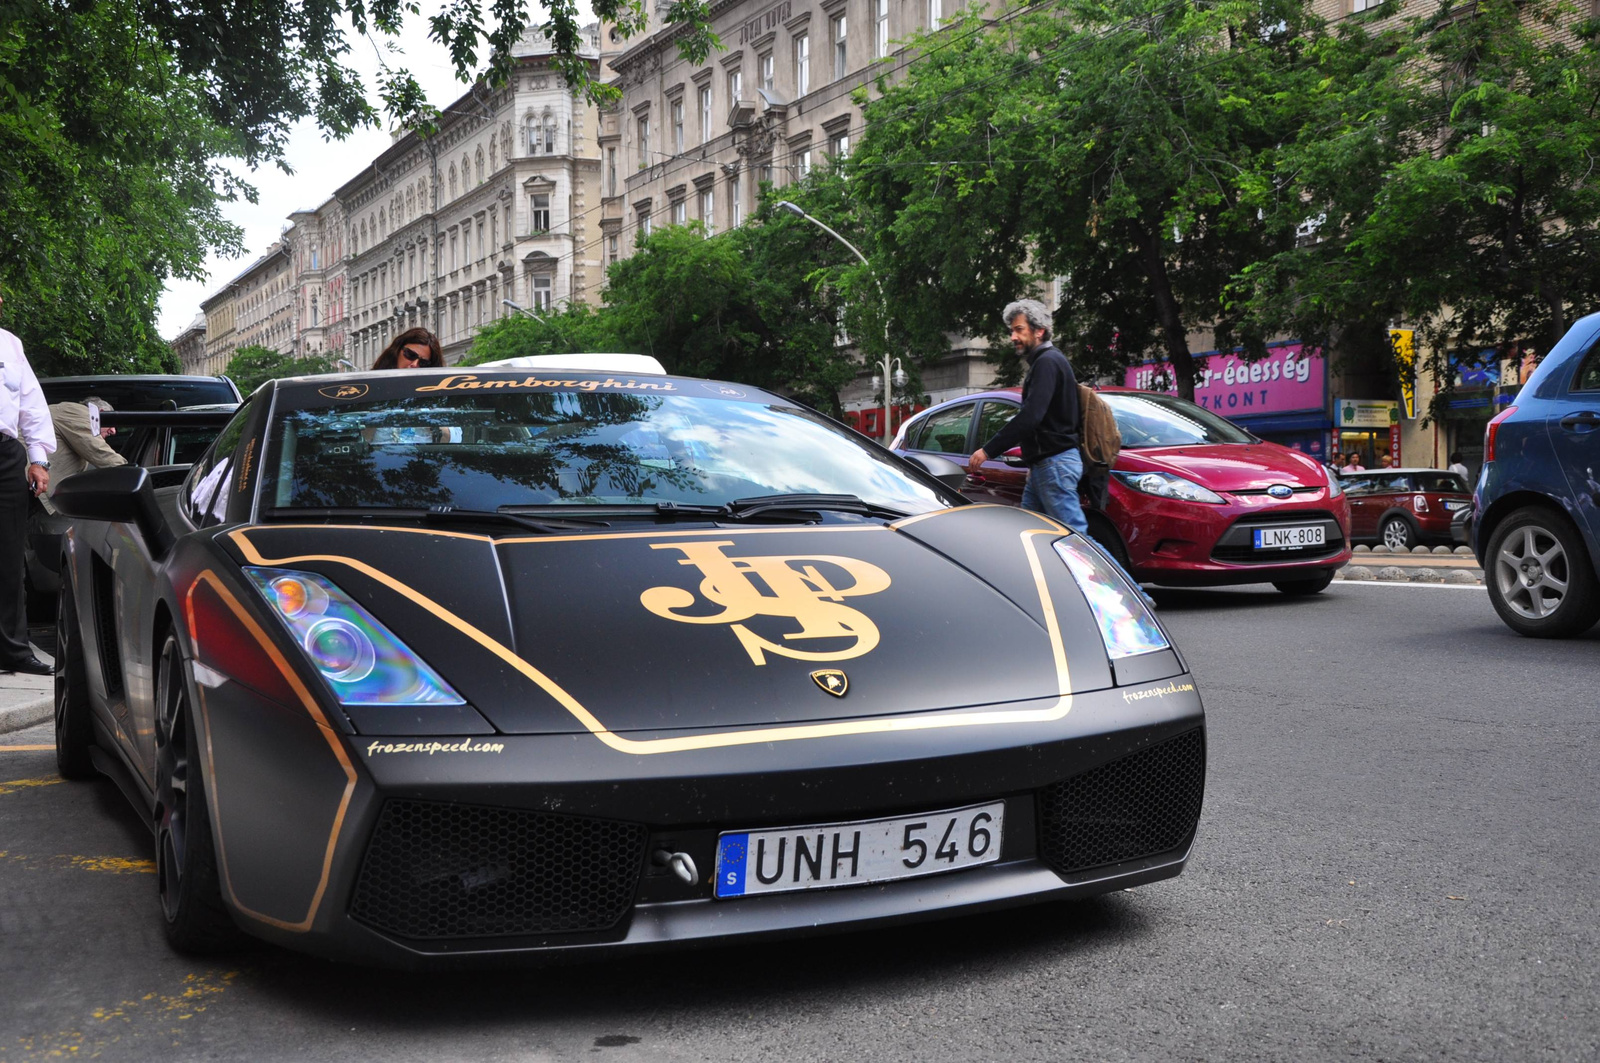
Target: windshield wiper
(741, 508)
(431, 515)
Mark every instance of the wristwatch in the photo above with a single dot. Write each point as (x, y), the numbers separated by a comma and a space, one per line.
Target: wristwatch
(45, 465)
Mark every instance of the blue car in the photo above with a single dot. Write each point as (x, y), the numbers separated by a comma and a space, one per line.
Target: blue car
(1536, 523)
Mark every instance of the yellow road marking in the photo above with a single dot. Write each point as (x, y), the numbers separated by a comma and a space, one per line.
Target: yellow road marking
(154, 1016)
(24, 749)
(23, 784)
(115, 864)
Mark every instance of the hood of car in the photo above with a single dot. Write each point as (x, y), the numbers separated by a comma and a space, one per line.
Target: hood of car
(1229, 466)
(664, 628)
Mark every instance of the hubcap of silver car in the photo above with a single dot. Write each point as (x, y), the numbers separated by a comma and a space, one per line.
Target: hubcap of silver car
(1531, 571)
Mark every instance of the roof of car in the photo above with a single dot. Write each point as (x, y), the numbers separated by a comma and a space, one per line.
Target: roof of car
(1399, 469)
(137, 378)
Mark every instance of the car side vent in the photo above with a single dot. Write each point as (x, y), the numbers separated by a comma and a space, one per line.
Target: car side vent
(435, 870)
(1141, 805)
(103, 584)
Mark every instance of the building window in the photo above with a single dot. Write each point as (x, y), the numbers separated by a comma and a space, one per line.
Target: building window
(611, 250)
(735, 86)
(677, 127)
(705, 113)
(494, 229)
(736, 202)
(644, 142)
(840, 53)
(708, 211)
(839, 144)
(533, 135)
(803, 163)
(880, 29)
(452, 250)
(768, 72)
(549, 134)
(644, 224)
(539, 212)
(802, 65)
(680, 213)
(935, 13)
(540, 288)
(483, 247)
(480, 166)
(611, 171)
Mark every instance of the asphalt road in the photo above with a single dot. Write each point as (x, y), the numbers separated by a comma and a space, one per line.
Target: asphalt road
(1397, 860)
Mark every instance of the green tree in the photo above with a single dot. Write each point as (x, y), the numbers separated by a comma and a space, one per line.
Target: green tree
(253, 365)
(106, 187)
(573, 328)
(1108, 141)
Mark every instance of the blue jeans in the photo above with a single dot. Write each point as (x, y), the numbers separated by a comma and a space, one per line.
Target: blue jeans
(1052, 489)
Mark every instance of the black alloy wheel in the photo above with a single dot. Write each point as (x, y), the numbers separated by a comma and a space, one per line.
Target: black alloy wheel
(1539, 575)
(74, 731)
(1398, 534)
(186, 864)
(1301, 587)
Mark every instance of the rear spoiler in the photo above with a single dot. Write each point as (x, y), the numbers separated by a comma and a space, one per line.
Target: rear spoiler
(165, 418)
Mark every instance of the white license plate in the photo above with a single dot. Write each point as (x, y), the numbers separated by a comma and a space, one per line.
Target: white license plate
(853, 854)
(1293, 537)
(1453, 506)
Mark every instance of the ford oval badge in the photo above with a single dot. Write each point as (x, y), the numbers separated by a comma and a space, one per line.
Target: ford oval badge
(1280, 491)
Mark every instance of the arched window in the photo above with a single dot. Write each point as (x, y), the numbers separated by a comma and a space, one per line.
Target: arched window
(549, 132)
(411, 204)
(505, 141)
(494, 154)
(422, 195)
(480, 166)
(533, 135)
(466, 174)
(383, 225)
(452, 180)
(363, 242)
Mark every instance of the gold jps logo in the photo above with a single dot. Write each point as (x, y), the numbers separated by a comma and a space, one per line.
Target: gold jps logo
(797, 586)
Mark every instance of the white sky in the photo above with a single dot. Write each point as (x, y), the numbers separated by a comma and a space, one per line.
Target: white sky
(320, 166)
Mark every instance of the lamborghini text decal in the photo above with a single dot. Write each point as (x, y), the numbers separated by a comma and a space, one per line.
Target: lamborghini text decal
(470, 382)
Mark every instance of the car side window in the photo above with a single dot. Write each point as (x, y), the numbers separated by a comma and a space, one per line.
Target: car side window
(947, 430)
(1356, 484)
(914, 434)
(1588, 378)
(993, 417)
(205, 495)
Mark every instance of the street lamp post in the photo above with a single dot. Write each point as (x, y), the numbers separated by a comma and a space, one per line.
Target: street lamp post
(893, 375)
(519, 308)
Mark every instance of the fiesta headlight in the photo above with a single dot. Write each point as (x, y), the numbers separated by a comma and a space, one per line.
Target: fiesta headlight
(362, 662)
(1127, 627)
(1169, 485)
(1335, 488)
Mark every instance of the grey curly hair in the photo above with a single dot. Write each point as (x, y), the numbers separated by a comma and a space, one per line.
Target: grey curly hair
(1037, 313)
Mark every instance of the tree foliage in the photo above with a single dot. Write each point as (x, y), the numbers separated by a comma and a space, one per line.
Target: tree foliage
(253, 365)
(106, 186)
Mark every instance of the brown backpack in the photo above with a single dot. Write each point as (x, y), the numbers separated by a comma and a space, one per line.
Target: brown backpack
(1097, 429)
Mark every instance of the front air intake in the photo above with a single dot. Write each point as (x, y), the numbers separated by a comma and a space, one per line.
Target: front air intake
(435, 870)
(1141, 805)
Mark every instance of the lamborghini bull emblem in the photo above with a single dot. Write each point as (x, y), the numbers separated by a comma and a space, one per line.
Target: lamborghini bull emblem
(803, 588)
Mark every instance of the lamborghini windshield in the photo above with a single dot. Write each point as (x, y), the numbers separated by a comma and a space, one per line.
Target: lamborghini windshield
(489, 450)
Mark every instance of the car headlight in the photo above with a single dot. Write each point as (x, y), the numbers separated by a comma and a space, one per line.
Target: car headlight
(1335, 488)
(1127, 627)
(1169, 485)
(360, 659)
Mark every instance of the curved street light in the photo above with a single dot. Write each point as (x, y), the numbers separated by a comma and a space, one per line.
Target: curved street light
(892, 373)
(519, 308)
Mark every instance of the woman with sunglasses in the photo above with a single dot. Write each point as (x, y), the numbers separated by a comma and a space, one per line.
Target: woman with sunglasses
(415, 348)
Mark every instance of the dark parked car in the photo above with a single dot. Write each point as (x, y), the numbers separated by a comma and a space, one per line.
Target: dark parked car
(1402, 508)
(166, 450)
(1536, 524)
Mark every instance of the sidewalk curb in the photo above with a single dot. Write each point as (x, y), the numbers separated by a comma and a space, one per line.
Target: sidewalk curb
(25, 714)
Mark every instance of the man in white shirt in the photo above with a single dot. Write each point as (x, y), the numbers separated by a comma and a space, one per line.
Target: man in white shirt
(1459, 467)
(26, 442)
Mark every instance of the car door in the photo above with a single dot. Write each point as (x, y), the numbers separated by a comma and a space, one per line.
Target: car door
(1574, 427)
(1364, 508)
(947, 433)
(998, 480)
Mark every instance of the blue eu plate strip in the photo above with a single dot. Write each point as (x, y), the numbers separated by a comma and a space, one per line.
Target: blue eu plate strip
(732, 852)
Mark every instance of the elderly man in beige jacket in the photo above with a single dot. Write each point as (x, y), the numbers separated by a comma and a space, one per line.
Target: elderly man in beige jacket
(80, 441)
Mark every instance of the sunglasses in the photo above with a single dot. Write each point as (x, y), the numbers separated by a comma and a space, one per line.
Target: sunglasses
(412, 356)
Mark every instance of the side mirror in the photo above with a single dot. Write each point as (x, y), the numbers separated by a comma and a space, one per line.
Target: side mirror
(1013, 457)
(944, 470)
(122, 493)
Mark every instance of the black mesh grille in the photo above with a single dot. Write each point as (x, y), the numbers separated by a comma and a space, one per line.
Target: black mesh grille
(1141, 805)
(436, 870)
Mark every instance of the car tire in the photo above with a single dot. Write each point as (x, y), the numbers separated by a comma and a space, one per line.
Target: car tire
(1102, 531)
(1301, 587)
(1397, 534)
(1539, 575)
(74, 728)
(187, 880)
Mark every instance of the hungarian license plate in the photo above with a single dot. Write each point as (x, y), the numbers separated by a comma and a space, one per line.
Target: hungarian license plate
(1291, 537)
(853, 854)
(1453, 506)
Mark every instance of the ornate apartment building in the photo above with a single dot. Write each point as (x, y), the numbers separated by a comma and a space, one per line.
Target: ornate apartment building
(492, 207)
(255, 308)
(315, 241)
(697, 142)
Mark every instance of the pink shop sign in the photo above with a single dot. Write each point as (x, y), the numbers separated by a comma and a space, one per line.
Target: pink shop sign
(1288, 380)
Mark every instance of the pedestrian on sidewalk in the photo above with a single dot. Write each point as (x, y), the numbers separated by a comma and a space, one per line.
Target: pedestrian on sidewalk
(1459, 466)
(80, 439)
(26, 443)
(1046, 427)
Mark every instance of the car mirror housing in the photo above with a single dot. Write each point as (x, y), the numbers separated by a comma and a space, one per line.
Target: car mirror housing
(944, 470)
(122, 493)
(1013, 457)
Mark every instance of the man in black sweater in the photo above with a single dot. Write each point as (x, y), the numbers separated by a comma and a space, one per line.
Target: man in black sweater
(1047, 425)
